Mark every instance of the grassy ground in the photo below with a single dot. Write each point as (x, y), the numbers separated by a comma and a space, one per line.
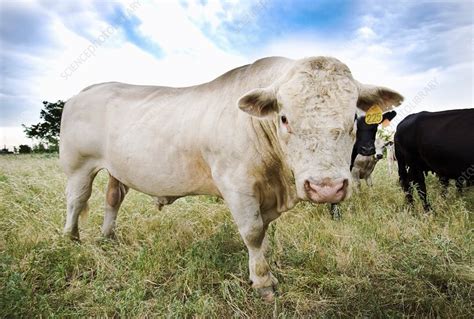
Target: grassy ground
(381, 260)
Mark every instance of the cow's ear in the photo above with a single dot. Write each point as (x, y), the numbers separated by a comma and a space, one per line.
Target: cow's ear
(385, 98)
(389, 115)
(259, 102)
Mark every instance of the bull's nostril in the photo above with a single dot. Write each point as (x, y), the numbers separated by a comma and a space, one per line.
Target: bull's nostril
(343, 187)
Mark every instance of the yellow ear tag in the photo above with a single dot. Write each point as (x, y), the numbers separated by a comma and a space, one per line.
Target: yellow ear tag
(373, 115)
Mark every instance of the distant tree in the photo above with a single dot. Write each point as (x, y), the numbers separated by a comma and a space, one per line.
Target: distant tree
(24, 149)
(5, 150)
(15, 150)
(47, 130)
(39, 148)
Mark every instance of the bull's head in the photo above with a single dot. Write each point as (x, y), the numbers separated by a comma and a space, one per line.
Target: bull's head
(313, 106)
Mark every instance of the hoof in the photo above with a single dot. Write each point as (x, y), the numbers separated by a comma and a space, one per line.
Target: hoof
(267, 294)
(109, 236)
(428, 209)
(72, 236)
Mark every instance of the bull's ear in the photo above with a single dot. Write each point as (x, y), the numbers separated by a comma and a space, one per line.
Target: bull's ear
(385, 98)
(259, 102)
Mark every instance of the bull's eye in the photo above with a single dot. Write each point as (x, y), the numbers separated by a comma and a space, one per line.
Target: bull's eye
(284, 120)
(336, 133)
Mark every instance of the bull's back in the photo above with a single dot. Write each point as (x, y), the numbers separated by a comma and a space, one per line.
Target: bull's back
(140, 134)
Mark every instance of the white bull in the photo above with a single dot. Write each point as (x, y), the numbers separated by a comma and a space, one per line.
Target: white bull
(263, 137)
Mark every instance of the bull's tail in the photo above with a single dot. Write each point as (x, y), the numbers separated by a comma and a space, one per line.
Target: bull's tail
(403, 174)
(402, 168)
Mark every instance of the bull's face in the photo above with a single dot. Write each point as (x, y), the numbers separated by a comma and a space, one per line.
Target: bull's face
(313, 108)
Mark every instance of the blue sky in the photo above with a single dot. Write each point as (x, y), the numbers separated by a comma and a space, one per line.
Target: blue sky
(424, 49)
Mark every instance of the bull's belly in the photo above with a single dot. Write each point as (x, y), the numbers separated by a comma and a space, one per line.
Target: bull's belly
(162, 173)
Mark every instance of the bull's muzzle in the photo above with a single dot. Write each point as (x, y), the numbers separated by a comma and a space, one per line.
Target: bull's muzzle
(326, 190)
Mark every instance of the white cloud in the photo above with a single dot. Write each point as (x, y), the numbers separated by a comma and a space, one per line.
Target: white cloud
(12, 136)
(190, 56)
(366, 32)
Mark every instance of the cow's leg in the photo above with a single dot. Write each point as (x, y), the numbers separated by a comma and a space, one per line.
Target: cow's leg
(406, 183)
(444, 185)
(369, 181)
(459, 184)
(419, 180)
(358, 184)
(78, 192)
(336, 213)
(404, 174)
(356, 178)
(252, 227)
(115, 194)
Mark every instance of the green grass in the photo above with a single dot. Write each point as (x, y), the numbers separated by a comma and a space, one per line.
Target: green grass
(380, 260)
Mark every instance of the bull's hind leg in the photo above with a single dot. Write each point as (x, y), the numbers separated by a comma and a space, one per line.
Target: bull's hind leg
(78, 191)
(115, 194)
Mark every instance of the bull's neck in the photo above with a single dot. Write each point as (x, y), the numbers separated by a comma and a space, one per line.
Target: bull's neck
(278, 177)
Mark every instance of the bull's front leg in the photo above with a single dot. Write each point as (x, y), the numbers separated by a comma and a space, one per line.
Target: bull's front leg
(252, 227)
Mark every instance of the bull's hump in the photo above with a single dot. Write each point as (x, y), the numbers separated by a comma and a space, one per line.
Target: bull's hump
(250, 69)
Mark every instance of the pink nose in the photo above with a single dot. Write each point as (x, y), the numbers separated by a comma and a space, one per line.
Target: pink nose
(326, 190)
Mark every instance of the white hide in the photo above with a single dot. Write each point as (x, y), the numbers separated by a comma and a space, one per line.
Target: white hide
(171, 142)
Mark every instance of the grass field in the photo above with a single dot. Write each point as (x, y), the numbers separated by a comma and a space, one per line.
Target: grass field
(380, 260)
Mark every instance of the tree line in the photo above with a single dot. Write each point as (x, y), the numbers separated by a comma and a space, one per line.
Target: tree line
(45, 133)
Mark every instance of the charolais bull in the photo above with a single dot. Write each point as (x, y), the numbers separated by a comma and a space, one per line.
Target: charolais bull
(262, 136)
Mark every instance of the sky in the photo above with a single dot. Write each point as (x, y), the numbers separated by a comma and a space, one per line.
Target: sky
(51, 49)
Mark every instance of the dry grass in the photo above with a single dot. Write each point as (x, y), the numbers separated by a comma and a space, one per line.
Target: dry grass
(381, 260)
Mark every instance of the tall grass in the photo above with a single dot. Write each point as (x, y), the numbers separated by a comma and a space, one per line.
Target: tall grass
(380, 260)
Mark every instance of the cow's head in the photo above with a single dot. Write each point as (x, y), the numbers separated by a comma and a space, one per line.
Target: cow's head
(379, 148)
(365, 141)
(313, 107)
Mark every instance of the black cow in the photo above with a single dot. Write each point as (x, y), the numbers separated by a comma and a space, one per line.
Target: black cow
(439, 142)
(366, 134)
(364, 145)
